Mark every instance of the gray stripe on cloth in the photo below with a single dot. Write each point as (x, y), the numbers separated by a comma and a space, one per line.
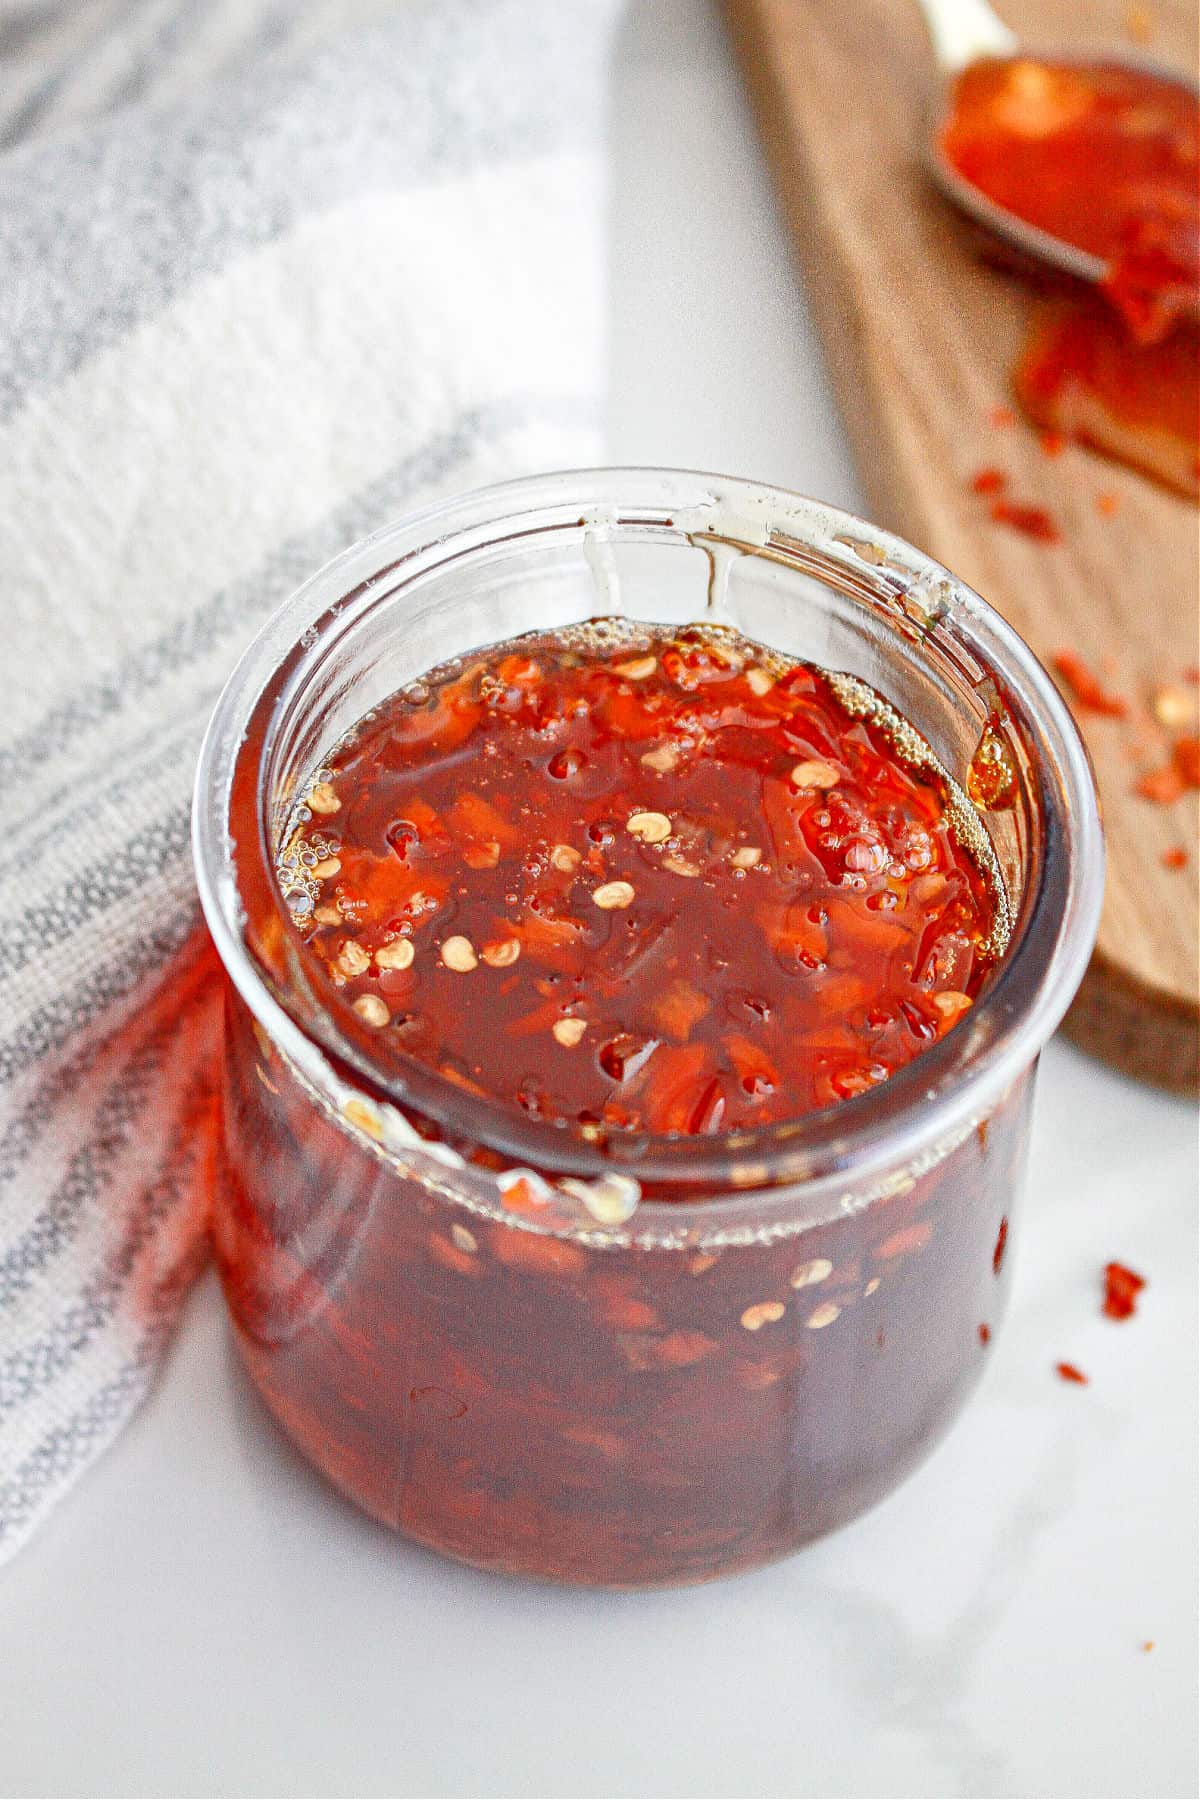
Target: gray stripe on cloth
(35, 1364)
(129, 1090)
(96, 888)
(67, 1013)
(67, 1448)
(239, 173)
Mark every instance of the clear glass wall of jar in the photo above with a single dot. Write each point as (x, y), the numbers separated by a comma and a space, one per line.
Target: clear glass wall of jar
(742, 1341)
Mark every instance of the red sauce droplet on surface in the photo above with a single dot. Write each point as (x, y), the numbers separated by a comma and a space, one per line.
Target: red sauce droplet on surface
(1086, 688)
(985, 1334)
(1001, 1246)
(1108, 505)
(1069, 1372)
(989, 481)
(1031, 521)
(1121, 1289)
(1002, 417)
(1175, 858)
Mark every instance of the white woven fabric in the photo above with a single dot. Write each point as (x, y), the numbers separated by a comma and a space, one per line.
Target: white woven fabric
(241, 324)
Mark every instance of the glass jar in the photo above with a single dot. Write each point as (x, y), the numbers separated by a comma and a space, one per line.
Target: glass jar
(676, 1357)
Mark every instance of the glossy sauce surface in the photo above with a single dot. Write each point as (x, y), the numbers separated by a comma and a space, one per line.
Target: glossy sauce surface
(645, 882)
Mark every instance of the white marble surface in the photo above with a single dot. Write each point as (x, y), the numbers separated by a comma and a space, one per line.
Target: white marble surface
(203, 1617)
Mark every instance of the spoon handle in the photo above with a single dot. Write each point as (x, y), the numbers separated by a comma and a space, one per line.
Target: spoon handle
(963, 30)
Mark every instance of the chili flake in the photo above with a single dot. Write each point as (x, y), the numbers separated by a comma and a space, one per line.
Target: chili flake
(1121, 1289)
(1086, 688)
(1187, 760)
(1032, 521)
(1069, 1372)
(1162, 786)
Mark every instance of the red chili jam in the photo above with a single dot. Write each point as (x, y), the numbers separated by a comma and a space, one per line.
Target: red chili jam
(1100, 156)
(621, 883)
(660, 884)
(1107, 159)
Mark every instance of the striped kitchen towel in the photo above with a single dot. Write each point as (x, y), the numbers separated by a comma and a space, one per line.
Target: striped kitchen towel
(270, 275)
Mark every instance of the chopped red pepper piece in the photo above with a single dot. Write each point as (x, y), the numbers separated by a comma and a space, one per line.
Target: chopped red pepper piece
(1033, 521)
(1086, 688)
(1121, 1289)
(1162, 786)
(1187, 760)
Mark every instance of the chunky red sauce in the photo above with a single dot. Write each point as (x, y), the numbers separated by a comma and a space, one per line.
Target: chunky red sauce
(1107, 159)
(652, 882)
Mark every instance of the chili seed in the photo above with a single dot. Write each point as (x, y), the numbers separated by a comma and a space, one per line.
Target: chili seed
(870, 1287)
(613, 895)
(328, 865)
(765, 1313)
(371, 1010)
(637, 669)
(1172, 707)
(808, 1274)
(502, 954)
(395, 956)
(866, 858)
(823, 1315)
(327, 915)
(359, 1113)
(679, 865)
(758, 681)
(323, 799)
(565, 858)
(458, 953)
(815, 775)
(651, 827)
(464, 1239)
(662, 760)
(569, 1031)
(353, 959)
(748, 857)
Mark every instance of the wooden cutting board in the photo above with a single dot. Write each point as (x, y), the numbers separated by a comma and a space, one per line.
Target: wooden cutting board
(921, 334)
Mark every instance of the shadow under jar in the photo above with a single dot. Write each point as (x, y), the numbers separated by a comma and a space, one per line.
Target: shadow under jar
(530, 1376)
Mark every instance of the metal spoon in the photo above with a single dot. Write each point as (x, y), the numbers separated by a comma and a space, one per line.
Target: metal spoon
(963, 32)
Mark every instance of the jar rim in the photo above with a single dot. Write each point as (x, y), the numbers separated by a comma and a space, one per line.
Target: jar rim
(937, 1097)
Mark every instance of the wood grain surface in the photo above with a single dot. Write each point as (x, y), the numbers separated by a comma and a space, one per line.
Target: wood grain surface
(921, 333)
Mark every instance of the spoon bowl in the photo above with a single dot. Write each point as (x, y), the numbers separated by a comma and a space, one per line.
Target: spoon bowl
(964, 32)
